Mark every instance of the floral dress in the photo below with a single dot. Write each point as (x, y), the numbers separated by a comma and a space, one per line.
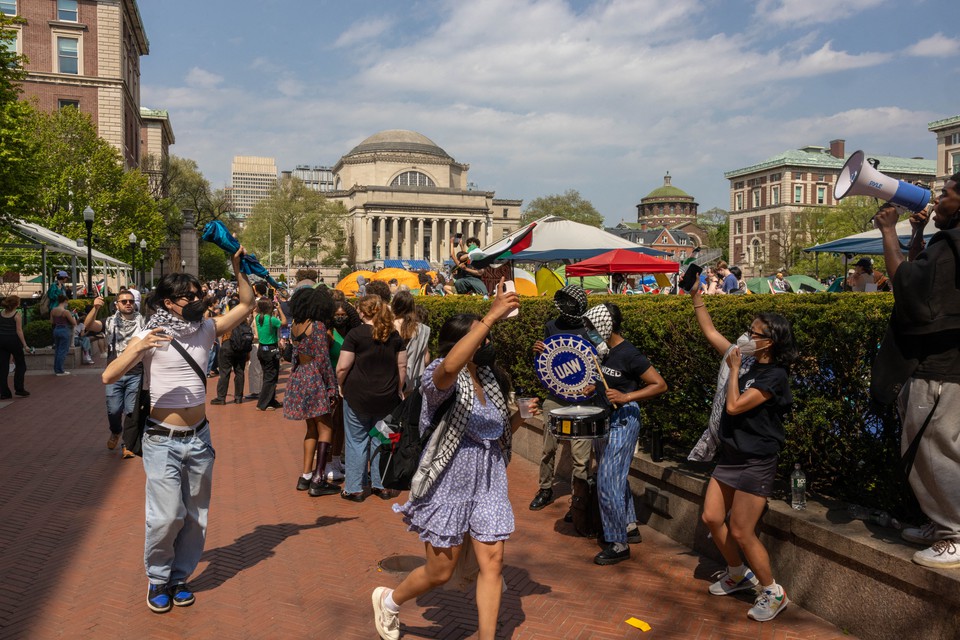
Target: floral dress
(312, 387)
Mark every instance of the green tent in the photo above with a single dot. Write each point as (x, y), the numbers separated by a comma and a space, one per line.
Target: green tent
(596, 284)
(798, 284)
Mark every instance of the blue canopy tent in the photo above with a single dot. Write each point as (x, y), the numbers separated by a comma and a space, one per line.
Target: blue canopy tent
(869, 242)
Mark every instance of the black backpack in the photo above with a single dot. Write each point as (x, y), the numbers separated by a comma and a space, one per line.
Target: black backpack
(241, 338)
(399, 460)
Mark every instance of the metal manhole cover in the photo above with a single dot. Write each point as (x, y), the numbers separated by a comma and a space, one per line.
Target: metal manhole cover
(401, 564)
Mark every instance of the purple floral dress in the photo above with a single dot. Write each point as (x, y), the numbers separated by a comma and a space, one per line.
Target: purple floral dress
(470, 496)
(312, 387)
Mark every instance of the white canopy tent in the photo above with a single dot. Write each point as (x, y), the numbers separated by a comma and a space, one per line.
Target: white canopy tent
(48, 241)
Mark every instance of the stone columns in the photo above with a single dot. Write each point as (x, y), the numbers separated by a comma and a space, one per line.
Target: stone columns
(407, 227)
(381, 241)
(418, 241)
(394, 232)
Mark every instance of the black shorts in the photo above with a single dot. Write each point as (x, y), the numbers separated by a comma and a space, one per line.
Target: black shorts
(752, 475)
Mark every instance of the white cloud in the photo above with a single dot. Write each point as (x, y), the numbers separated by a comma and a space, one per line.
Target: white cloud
(363, 31)
(936, 46)
(202, 79)
(798, 13)
(827, 60)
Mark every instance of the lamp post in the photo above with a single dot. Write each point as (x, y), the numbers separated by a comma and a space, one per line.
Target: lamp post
(162, 258)
(133, 257)
(183, 265)
(88, 221)
(143, 262)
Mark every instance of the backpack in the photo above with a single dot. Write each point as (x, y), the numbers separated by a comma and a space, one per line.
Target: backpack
(44, 307)
(241, 338)
(399, 460)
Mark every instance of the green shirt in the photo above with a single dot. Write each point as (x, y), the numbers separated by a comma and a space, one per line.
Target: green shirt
(267, 328)
(336, 343)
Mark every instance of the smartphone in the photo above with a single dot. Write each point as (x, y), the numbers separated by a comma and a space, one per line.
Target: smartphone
(458, 237)
(691, 277)
(510, 287)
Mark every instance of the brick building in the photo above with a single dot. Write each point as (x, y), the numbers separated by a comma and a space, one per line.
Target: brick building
(948, 147)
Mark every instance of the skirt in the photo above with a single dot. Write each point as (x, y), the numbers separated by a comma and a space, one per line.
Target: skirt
(751, 475)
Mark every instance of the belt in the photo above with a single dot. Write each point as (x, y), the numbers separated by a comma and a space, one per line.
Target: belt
(176, 433)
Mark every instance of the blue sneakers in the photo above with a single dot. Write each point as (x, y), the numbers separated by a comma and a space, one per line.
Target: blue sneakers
(182, 595)
(158, 598)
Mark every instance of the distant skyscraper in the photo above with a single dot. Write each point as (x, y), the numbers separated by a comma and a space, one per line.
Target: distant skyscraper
(316, 178)
(251, 179)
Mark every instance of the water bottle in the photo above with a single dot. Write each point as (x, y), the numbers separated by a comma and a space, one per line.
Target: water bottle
(798, 484)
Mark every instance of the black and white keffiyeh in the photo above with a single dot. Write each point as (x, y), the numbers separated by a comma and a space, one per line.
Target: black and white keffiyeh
(120, 330)
(571, 302)
(177, 327)
(602, 322)
(706, 447)
(450, 431)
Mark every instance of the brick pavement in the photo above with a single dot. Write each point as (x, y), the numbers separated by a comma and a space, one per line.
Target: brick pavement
(279, 564)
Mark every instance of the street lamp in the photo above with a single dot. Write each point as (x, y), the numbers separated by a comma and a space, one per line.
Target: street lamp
(183, 265)
(143, 262)
(162, 258)
(88, 221)
(133, 257)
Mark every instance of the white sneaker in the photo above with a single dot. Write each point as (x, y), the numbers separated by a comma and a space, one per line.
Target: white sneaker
(944, 554)
(768, 604)
(333, 474)
(925, 535)
(388, 623)
(62, 373)
(728, 584)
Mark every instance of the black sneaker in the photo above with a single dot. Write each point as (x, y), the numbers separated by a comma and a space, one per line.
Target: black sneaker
(322, 488)
(238, 400)
(303, 483)
(158, 598)
(634, 536)
(609, 556)
(218, 401)
(542, 499)
(22, 394)
(182, 595)
(252, 396)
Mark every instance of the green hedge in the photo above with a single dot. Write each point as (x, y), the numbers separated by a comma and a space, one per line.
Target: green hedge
(847, 449)
(38, 333)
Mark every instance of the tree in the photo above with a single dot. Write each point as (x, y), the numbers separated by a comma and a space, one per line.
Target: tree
(717, 223)
(213, 262)
(313, 224)
(182, 186)
(11, 64)
(570, 205)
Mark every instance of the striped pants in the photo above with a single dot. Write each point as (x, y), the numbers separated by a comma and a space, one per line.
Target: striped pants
(614, 454)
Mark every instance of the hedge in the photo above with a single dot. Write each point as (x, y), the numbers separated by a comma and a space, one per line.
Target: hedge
(39, 333)
(848, 449)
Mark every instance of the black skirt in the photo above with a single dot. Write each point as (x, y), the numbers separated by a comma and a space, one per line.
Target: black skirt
(750, 475)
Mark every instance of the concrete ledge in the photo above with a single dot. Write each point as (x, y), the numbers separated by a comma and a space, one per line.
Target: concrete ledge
(858, 576)
(43, 359)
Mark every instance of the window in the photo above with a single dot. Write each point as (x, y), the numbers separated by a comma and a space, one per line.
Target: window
(63, 104)
(506, 232)
(774, 222)
(775, 177)
(775, 195)
(798, 194)
(738, 202)
(412, 179)
(756, 249)
(821, 178)
(8, 7)
(506, 213)
(13, 45)
(955, 161)
(951, 139)
(756, 198)
(738, 226)
(68, 55)
(756, 224)
(738, 185)
(821, 195)
(67, 10)
(798, 175)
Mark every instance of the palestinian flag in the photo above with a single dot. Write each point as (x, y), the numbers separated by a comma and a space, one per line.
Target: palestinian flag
(503, 250)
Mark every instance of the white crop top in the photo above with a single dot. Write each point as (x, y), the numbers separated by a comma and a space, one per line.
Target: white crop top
(172, 381)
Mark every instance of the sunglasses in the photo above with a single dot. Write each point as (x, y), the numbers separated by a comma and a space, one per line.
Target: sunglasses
(189, 297)
(754, 334)
(127, 301)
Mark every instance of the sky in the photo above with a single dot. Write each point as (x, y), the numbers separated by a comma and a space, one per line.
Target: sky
(543, 96)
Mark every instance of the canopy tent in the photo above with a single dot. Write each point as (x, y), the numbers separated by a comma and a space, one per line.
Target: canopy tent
(868, 242)
(548, 282)
(621, 261)
(554, 239)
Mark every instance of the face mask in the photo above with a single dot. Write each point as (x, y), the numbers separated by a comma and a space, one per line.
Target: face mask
(472, 247)
(193, 311)
(340, 321)
(485, 355)
(747, 346)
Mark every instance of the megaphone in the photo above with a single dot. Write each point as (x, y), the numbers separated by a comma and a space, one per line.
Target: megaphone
(859, 178)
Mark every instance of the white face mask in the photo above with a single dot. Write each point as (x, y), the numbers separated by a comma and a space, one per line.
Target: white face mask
(747, 346)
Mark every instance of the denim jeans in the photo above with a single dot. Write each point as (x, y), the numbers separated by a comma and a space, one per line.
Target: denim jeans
(614, 454)
(179, 476)
(360, 449)
(62, 339)
(121, 398)
(212, 357)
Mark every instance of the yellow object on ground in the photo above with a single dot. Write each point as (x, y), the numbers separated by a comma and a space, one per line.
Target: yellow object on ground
(639, 624)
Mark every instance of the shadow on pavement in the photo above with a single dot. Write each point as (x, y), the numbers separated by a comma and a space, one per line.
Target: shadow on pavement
(250, 549)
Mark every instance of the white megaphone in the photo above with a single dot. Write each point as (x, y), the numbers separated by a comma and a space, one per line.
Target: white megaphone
(859, 178)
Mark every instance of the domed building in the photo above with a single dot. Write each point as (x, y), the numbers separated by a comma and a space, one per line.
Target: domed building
(666, 206)
(406, 197)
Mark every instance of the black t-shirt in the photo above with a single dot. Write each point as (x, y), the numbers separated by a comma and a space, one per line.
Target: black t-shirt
(759, 432)
(623, 367)
(938, 354)
(372, 386)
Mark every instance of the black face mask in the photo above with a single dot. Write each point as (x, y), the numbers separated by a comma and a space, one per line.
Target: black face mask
(193, 311)
(485, 355)
(340, 321)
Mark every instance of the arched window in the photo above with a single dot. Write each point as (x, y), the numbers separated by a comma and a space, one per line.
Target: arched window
(757, 250)
(412, 179)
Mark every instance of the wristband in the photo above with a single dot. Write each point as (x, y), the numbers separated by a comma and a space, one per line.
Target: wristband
(699, 306)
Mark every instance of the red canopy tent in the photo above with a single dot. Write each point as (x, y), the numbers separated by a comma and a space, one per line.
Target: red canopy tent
(621, 261)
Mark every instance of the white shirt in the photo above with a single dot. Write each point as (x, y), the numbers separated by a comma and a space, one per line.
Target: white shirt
(172, 381)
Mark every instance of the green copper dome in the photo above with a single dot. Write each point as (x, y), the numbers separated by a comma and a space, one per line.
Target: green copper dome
(667, 191)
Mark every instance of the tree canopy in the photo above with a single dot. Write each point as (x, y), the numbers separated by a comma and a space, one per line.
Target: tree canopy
(569, 205)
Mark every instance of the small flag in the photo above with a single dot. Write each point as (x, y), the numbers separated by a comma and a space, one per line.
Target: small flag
(381, 432)
(503, 251)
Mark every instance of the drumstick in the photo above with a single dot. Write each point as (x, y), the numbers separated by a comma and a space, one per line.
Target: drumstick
(602, 379)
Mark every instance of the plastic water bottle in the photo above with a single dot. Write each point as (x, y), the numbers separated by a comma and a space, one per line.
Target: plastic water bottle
(798, 484)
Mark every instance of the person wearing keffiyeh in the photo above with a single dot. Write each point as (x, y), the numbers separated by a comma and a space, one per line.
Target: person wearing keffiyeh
(458, 498)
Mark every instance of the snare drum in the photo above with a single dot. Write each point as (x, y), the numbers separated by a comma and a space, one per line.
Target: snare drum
(578, 422)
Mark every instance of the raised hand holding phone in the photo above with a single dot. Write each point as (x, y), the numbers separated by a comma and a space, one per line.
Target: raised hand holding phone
(509, 286)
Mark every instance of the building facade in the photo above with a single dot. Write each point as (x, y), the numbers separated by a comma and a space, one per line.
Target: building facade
(318, 178)
(679, 245)
(948, 147)
(766, 200)
(666, 206)
(86, 54)
(251, 179)
(156, 136)
(406, 197)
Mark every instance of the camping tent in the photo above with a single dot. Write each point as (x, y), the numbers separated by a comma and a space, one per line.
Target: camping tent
(596, 284)
(798, 284)
(554, 238)
(621, 261)
(548, 282)
(868, 242)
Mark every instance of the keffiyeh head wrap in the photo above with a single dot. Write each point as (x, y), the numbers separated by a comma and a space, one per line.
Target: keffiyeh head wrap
(599, 319)
(571, 302)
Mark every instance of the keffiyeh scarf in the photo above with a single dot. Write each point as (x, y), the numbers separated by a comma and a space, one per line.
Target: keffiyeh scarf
(600, 319)
(177, 327)
(706, 448)
(449, 433)
(121, 330)
(571, 302)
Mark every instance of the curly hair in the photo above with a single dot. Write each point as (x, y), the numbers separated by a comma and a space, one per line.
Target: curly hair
(379, 288)
(373, 306)
(312, 304)
(781, 332)
(353, 318)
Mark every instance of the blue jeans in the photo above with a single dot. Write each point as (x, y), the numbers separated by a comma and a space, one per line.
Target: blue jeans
(121, 398)
(614, 454)
(359, 450)
(212, 357)
(62, 339)
(179, 476)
